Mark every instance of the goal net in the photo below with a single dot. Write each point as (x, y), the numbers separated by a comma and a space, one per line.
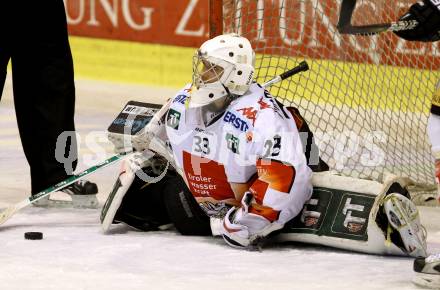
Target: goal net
(367, 98)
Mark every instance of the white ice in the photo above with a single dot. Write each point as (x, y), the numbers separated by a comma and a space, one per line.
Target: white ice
(74, 254)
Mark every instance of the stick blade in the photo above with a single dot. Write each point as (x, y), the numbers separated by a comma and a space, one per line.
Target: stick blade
(365, 29)
(344, 25)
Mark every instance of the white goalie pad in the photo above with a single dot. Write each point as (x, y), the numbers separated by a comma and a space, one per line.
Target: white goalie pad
(120, 188)
(348, 213)
(129, 169)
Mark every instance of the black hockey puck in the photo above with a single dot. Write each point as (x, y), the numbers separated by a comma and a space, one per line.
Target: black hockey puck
(33, 235)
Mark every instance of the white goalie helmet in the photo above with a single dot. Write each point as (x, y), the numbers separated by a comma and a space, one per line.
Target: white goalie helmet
(222, 66)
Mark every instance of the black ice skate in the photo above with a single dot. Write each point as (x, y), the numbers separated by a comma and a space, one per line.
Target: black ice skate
(427, 271)
(80, 194)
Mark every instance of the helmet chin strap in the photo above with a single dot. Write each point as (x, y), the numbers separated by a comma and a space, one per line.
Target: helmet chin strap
(212, 111)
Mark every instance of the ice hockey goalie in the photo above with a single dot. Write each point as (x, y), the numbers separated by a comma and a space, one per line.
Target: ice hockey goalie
(243, 168)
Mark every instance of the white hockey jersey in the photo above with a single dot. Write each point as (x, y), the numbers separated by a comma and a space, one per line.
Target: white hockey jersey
(253, 146)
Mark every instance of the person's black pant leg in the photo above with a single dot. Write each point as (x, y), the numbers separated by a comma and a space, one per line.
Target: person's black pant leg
(5, 40)
(44, 94)
(4, 59)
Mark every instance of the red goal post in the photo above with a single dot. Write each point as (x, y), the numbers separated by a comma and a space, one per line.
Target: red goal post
(366, 97)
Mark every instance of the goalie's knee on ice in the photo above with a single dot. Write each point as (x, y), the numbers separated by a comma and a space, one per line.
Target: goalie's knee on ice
(183, 209)
(150, 206)
(369, 216)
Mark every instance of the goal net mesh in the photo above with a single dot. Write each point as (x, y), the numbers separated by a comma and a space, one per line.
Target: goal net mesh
(367, 98)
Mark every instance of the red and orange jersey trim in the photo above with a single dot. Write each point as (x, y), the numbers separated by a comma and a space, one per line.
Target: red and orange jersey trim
(265, 211)
(272, 174)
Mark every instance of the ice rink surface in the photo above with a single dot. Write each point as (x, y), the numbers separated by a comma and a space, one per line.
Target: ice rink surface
(74, 254)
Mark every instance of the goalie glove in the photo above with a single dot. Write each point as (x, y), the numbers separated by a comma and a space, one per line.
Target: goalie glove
(427, 14)
(244, 230)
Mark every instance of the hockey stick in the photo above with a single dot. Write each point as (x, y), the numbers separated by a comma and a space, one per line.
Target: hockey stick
(156, 145)
(345, 27)
(8, 212)
(302, 66)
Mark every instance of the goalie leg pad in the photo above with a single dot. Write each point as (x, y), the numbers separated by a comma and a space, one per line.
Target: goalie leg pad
(152, 206)
(403, 217)
(183, 209)
(143, 207)
(120, 188)
(134, 201)
(348, 213)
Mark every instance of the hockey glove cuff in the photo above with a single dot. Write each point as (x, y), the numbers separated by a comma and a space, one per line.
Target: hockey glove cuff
(242, 229)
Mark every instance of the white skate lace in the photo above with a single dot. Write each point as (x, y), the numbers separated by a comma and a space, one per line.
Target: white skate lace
(81, 182)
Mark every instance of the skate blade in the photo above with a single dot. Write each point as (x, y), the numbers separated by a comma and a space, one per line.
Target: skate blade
(85, 201)
(63, 200)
